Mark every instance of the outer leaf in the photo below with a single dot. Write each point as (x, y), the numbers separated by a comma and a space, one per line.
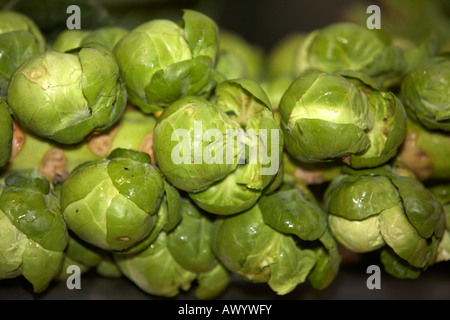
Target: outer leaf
(292, 266)
(126, 224)
(288, 211)
(174, 207)
(212, 283)
(40, 266)
(202, 34)
(357, 198)
(138, 182)
(424, 212)
(180, 79)
(12, 246)
(38, 216)
(328, 262)
(401, 236)
(189, 242)
(398, 267)
(226, 197)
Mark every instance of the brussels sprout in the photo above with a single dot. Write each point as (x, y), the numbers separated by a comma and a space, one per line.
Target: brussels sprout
(162, 61)
(112, 203)
(442, 194)
(341, 117)
(6, 133)
(426, 95)
(237, 58)
(388, 124)
(177, 258)
(155, 271)
(190, 245)
(425, 152)
(377, 208)
(74, 38)
(20, 38)
(348, 46)
(231, 146)
(55, 161)
(281, 241)
(33, 234)
(179, 118)
(66, 96)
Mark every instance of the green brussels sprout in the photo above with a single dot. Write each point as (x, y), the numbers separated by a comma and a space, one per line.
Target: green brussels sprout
(6, 133)
(20, 38)
(426, 95)
(134, 130)
(112, 203)
(349, 46)
(442, 194)
(425, 152)
(177, 258)
(190, 245)
(33, 234)
(182, 115)
(341, 116)
(237, 58)
(388, 130)
(282, 241)
(230, 148)
(379, 209)
(66, 96)
(162, 61)
(155, 271)
(167, 218)
(71, 39)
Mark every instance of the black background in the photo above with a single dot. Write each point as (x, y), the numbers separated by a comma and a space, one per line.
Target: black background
(263, 22)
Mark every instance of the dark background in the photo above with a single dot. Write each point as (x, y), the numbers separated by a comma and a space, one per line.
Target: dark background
(261, 22)
(264, 23)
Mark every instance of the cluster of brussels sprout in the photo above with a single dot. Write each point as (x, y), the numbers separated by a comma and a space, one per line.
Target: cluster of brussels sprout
(177, 155)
